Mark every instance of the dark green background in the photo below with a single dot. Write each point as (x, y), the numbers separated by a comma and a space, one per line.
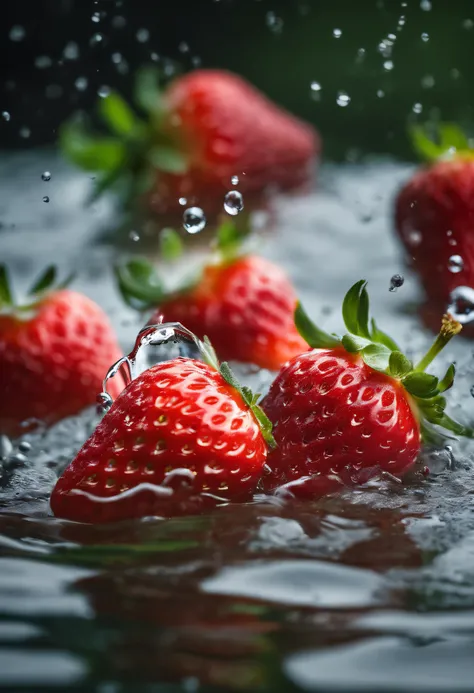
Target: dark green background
(235, 34)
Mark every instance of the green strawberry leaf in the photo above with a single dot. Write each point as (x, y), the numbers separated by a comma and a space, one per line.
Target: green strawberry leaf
(316, 338)
(118, 115)
(168, 159)
(139, 283)
(399, 364)
(44, 282)
(377, 356)
(171, 245)
(147, 92)
(355, 310)
(228, 240)
(6, 297)
(265, 425)
(382, 338)
(447, 381)
(209, 356)
(449, 424)
(89, 152)
(421, 385)
(353, 344)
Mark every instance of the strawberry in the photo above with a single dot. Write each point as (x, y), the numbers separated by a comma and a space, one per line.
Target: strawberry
(181, 436)
(54, 353)
(354, 407)
(434, 216)
(244, 304)
(207, 127)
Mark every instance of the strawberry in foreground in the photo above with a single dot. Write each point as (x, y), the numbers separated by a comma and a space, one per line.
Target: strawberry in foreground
(182, 436)
(55, 350)
(434, 215)
(204, 129)
(354, 407)
(243, 303)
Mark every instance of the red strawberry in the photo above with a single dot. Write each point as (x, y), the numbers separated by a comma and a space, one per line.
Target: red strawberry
(434, 215)
(207, 127)
(54, 353)
(352, 408)
(245, 306)
(181, 436)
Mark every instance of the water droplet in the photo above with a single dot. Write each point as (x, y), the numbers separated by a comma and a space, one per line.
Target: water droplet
(25, 132)
(143, 35)
(425, 5)
(119, 22)
(337, 33)
(96, 39)
(468, 24)
(116, 58)
(455, 264)
(45, 198)
(425, 37)
(96, 17)
(46, 176)
(194, 220)
(183, 201)
(81, 83)
(461, 305)
(343, 99)
(43, 61)
(396, 282)
(104, 402)
(414, 238)
(17, 33)
(234, 180)
(6, 116)
(103, 91)
(274, 23)
(380, 93)
(183, 47)
(133, 235)
(417, 108)
(24, 446)
(388, 65)
(428, 82)
(71, 51)
(6, 447)
(233, 202)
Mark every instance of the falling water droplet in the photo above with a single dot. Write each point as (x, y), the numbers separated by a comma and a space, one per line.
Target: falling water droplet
(234, 180)
(24, 446)
(425, 37)
(343, 99)
(461, 304)
(104, 402)
(143, 35)
(337, 33)
(46, 176)
(96, 39)
(133, 235)
(194, 220)
(182, 201)
(71, 51)
(103, 91)
(81, 83)
(455, 264)
(45, 198)
(425, 5)
(233, 202)
(396, 282)
(6, 116)
(17, 33)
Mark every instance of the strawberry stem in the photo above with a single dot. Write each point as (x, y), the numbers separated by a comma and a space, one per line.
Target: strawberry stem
(449, 328)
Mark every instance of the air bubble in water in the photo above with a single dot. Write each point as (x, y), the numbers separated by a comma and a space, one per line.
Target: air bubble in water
(194, 220)
(396, 282)
(46, 176)
(455, 264)
(17, 33)
(45, 198)
(461, 304)
(343, 99)
(6, 116)
(233, 202)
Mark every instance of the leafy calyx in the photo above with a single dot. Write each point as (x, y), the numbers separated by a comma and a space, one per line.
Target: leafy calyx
(134, 148)
(381, 353)
(441, 141)
(45, 284)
